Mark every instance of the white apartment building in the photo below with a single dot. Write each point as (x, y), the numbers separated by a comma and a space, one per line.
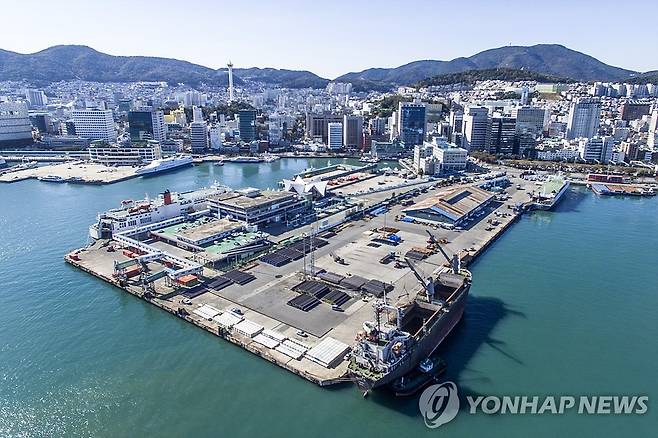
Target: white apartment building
(335, 136)
(109, 155)
(476, 127)
(95, 124)
(558, 154)
(36, 98)
(447, 157)
(14, 122)
(584, 118)
(215, 133)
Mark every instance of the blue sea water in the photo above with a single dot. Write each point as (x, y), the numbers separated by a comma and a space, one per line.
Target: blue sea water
(563, 304)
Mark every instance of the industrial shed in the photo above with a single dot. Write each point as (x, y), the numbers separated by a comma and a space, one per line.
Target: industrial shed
(453, 207)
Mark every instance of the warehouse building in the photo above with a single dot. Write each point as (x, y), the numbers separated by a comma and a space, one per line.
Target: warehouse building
(454, 207)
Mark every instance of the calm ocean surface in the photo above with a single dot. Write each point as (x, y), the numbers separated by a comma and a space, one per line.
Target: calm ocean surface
(564, 303)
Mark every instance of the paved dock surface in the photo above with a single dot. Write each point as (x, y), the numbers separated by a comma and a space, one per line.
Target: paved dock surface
(89, 172)
(263, 301)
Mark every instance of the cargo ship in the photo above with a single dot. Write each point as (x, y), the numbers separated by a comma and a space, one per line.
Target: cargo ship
(164, 165)
(405, 334)
(168, 205)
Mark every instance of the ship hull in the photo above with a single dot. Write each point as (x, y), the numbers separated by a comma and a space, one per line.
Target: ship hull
(425, 347)
(160, 171)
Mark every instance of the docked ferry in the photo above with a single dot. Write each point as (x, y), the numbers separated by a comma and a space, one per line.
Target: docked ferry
(165, 165)
(550, 193)
(168, 205)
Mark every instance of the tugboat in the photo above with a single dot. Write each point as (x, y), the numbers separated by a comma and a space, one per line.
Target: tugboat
(428, 371)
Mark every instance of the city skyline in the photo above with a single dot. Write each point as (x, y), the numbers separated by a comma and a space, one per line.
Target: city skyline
(298, 35)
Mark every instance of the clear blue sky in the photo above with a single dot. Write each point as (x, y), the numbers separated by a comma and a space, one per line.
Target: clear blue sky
(333, 37)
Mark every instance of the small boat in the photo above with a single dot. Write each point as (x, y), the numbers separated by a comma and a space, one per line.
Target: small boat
(427, 372)
(219, 163)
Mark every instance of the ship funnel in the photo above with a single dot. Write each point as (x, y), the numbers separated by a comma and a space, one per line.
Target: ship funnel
(167, 197)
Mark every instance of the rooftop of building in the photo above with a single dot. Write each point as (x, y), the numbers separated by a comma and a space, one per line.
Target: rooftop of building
(245, 199)
(202, 228)
(455, 203)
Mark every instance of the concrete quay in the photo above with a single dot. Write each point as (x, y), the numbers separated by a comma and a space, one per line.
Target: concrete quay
(85, 173)
(263, 300)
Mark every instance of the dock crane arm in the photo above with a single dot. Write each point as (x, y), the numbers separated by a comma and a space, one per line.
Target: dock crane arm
(420, 278)
(436, 242)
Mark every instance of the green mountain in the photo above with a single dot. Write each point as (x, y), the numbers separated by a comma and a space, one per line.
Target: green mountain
(503, 74)
(549, 59)
(60, 63)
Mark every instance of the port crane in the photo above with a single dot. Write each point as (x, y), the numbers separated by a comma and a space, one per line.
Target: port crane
(455, 262)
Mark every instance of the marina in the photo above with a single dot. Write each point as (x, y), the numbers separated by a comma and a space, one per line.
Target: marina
(292, 291)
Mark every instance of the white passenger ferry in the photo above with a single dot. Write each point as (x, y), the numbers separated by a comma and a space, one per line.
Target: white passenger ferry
(168, 205)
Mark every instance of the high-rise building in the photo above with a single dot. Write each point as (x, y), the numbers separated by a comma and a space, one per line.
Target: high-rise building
(199, 136)
(353, 132)
(411, 123)
(193, 98)
(95, 124)
(247, 125)
(317, 126)
(584, 118)
(335, 136)
(146, 124)
(503, 134)
(197, 114)
(529, 118)
(635, 109)
(377, 125)
(42, 122)
(477, 129)
(596, 149)
(524, 95)
(215, 134)
(653, 121)
(36, 98)
(15, 127)
(456, 121)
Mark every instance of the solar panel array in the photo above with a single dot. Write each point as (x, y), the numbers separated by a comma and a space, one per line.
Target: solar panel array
(336, 297)
(220, 283)
(304, 302)
(354, 282)
(330, 277)
(239, 277)
(295, 251)
(312, 287)
(275, 259)
(376, 287)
